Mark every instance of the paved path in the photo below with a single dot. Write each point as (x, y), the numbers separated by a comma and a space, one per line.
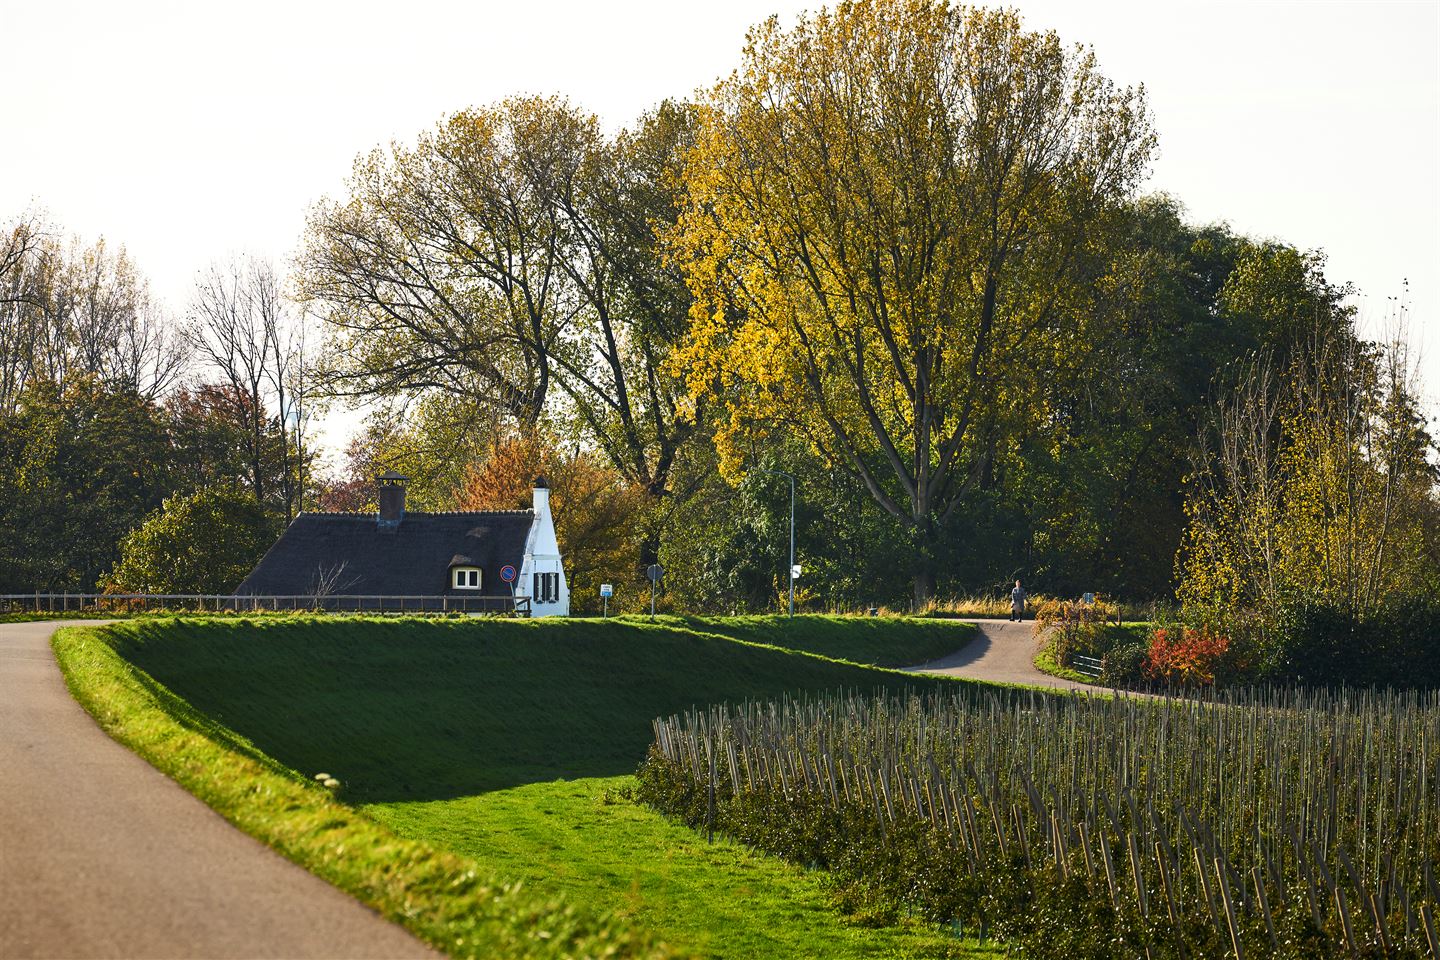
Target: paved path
(103, 856)
(1003, 652)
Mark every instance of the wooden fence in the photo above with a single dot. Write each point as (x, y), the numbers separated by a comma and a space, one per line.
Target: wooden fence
(101, 603)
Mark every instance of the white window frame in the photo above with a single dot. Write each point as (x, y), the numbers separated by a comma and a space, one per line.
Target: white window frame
(471, 576)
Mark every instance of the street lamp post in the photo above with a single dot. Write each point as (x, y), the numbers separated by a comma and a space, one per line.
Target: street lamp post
(791, 571)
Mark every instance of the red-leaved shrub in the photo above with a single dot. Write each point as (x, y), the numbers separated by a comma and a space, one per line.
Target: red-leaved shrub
(1187, 656)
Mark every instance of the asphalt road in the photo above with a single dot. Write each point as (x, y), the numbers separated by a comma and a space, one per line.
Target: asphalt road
(103, 856)
(1002, 652)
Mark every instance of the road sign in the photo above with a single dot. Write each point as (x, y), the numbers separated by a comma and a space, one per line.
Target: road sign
(1088, 598)
(795, 572)
(507, 573)
(607, 590)
(655, 571)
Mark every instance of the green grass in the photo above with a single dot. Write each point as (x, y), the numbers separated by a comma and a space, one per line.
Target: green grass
(585, 840)
(1045, 662)
(453, 734)
(877, 641)
(451, 901)
(417, 710)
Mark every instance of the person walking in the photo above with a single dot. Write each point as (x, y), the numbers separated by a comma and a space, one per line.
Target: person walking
(1017, 603)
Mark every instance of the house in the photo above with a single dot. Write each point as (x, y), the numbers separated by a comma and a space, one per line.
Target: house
(449, 561)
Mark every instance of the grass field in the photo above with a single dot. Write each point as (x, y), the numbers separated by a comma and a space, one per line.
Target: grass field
(512, 745)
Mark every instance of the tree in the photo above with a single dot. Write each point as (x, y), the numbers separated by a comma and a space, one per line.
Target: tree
(508, 262)
(595, 510)
(67, 311)
(85, 462)
(635, 305)
(240, 330)
(212, 445)
(444, 271)
(433, 441)
(203, 542)
(886, 205)
(1313, 483)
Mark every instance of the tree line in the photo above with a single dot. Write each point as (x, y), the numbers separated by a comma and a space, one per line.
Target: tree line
(112, 410)
(901, 253)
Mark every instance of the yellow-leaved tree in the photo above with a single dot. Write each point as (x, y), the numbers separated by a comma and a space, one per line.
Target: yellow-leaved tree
(886, 212)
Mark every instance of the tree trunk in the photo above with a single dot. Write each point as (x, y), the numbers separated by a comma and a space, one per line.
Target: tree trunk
(924, 560)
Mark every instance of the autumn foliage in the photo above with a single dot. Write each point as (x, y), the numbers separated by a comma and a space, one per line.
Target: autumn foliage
(596, 511)
(1186, 656)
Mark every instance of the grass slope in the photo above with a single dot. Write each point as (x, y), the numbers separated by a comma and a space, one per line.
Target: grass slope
(585, 841)
(416, 710)
(451, 901)
(454, 734)
(881, 642)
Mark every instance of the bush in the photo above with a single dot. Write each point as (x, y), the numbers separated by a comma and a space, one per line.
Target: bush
(1187, 656)
(1326, 644)
(1082, 628)
(204, 542)
(1124, 665)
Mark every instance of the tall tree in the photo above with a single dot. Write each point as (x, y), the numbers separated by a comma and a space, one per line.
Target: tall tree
(1314, 481)
(444, 270)
(509, 260)
(84, 462)
(68, 310)
(634, 305)
(240, 330)
(886, 206)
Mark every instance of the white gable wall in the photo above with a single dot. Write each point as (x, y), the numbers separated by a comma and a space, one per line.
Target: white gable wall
(542, 555)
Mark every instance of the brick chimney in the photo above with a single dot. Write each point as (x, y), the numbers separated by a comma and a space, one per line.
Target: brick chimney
(392, 499)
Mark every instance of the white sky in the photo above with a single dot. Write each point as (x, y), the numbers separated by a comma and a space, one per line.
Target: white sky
(192, 131)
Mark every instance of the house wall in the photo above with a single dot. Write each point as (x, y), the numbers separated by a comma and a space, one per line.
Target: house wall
(542, 555)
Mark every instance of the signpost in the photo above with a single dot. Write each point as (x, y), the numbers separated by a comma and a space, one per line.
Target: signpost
(654, 572)
(508, 574)
(794, 568)
(607, 590)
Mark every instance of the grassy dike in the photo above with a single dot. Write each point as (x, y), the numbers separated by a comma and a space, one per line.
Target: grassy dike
(487, 767)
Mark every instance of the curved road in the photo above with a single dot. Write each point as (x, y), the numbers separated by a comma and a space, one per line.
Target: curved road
(101, 855)
(1003, 652)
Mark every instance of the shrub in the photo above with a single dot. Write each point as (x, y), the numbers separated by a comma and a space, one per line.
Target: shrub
(1124, 665)
(204, 542)
(1322, 643)
(1187, 656)
(1082, 628)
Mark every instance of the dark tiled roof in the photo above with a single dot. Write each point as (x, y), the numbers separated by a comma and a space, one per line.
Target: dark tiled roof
(413, 560)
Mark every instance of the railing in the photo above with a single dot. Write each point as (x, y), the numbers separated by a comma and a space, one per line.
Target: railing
(247, 603)
(1090, 666)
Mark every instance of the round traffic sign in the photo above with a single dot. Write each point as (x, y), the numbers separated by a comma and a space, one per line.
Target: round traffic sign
(507, 573)
(655, 571)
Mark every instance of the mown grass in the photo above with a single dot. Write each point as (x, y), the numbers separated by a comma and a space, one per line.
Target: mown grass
(876, 641)
(586, 840)
(402, 709)
(451, 901)
(454, 735)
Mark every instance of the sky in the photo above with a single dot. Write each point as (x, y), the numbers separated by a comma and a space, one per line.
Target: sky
(192, 132)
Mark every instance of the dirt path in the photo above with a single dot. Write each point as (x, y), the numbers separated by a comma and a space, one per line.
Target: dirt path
(1002, 652)
(102, 856)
